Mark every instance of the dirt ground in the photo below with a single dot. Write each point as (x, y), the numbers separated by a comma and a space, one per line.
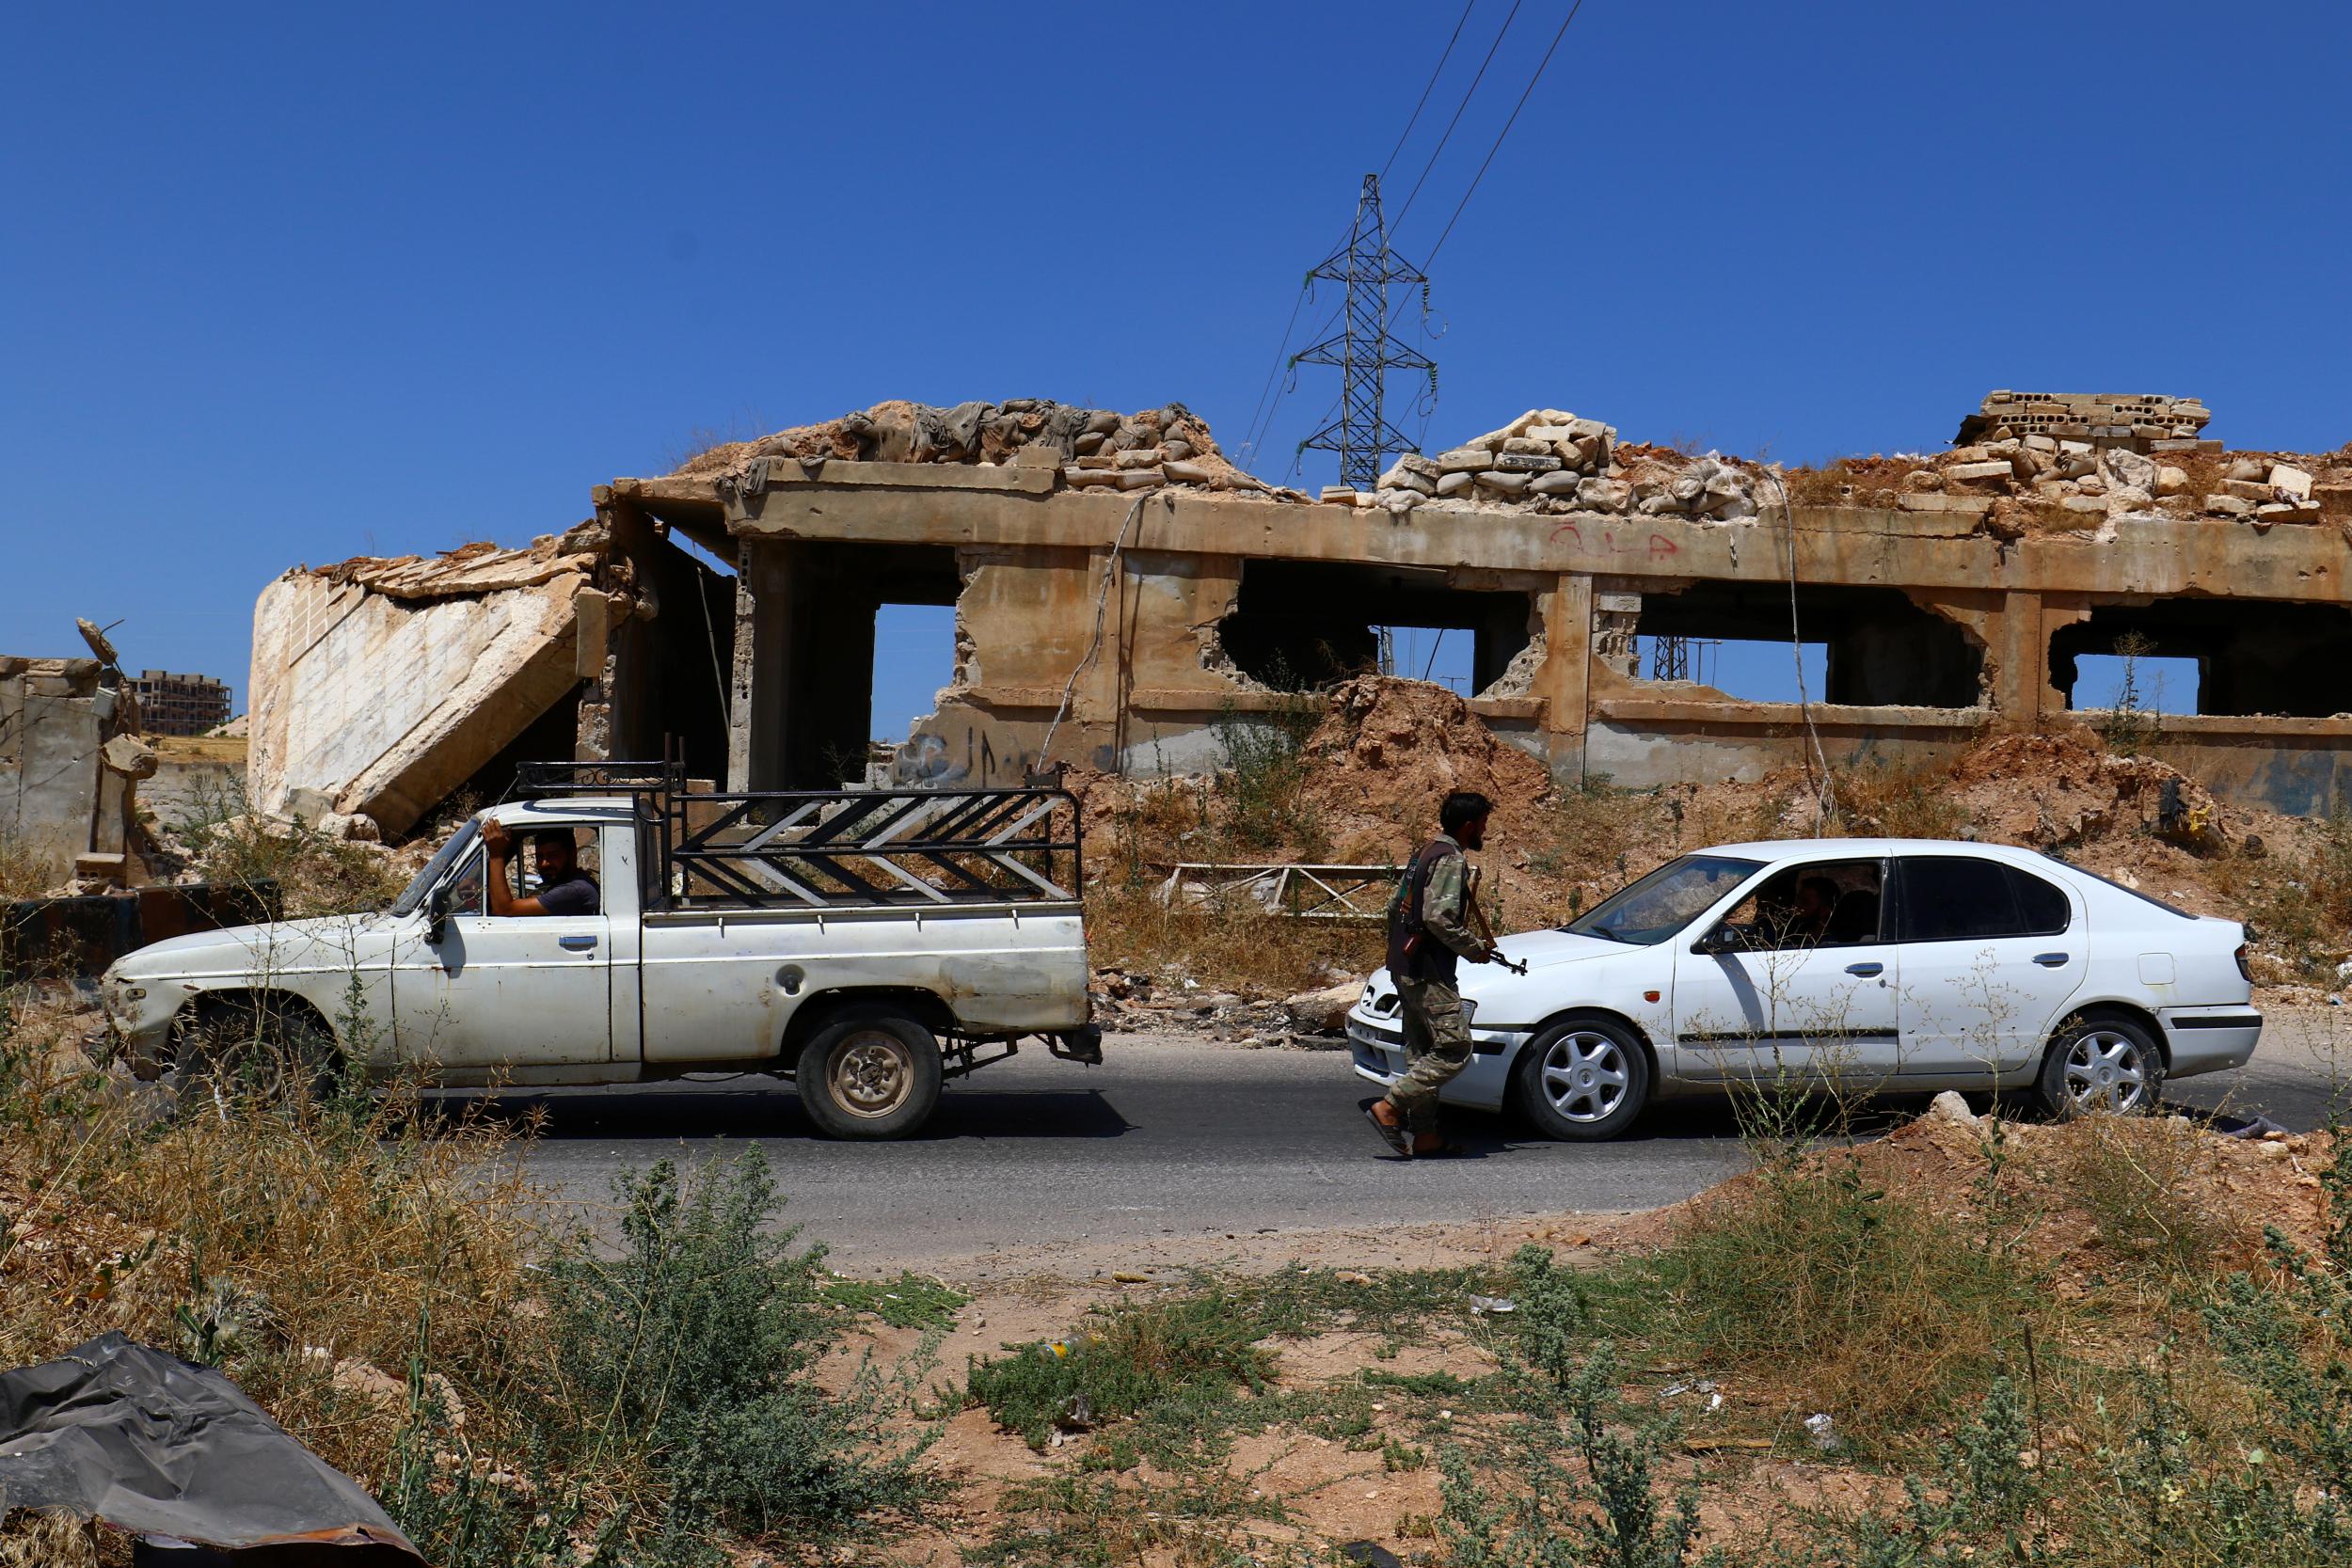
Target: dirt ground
(1744, 1436)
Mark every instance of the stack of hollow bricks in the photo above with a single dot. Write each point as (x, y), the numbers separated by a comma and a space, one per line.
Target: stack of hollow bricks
(2144, 422)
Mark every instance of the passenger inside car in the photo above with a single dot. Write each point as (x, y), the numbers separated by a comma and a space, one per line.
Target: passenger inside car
(1812, 906)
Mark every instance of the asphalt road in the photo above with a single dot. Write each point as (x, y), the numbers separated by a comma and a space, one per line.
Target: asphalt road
(1178, 1137)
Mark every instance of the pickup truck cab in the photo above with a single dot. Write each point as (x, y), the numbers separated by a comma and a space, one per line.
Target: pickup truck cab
(868, 945)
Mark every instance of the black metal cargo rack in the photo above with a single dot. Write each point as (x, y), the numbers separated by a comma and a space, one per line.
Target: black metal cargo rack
(839, 849)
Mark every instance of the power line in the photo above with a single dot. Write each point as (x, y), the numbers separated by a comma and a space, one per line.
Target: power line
(1306, 286)
(1258, 430)
(1415, 119)
(1466, 94)
(1524, 95)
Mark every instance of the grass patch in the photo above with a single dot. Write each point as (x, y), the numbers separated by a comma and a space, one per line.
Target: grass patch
(1886, 800)
(1198, 1519)
(1169, 1363)
(1187, 1370)
(910, 1301)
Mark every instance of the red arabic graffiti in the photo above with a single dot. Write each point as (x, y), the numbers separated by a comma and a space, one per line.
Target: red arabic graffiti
(1656, 545)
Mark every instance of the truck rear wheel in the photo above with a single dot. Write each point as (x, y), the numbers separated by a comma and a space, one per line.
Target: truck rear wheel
(871, 1073)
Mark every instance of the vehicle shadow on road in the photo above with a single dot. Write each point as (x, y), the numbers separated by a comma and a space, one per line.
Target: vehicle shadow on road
(771, 1110)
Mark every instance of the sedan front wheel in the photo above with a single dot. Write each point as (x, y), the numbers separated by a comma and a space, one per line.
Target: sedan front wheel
(1583, 1080)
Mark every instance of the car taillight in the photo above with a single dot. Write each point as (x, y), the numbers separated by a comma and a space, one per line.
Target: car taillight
(2243, 968)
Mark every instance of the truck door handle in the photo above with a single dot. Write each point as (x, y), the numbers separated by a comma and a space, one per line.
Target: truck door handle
(2050, 960)
(1866, 971)
(576, 944)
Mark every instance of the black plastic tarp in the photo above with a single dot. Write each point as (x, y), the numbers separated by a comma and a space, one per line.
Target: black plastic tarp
(161, 1447)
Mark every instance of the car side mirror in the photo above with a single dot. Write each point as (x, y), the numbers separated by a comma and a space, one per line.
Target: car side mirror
(1717, 941)
(437, 906)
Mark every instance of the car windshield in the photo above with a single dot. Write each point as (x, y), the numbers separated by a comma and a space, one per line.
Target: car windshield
(1664, 901)
(412, 897)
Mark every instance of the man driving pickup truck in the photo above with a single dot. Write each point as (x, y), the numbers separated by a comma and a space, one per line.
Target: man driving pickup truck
(564, 887)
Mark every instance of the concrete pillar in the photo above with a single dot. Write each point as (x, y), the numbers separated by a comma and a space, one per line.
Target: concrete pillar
(763, 642)
(2024, 649)
(1563, 681)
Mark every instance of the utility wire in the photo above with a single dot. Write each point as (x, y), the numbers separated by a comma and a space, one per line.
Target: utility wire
(1524, 95)
(1427, 90)
(1249, 431)
(1260, 432)
(1468, 94)
(1824, 785)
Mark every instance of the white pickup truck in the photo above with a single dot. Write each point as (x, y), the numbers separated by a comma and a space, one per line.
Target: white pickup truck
(866, 944)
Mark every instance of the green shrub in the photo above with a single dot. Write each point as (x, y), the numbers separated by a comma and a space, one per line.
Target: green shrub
(691, 1354)
(1263, 782)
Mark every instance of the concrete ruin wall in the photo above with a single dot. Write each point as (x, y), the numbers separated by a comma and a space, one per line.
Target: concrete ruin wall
(1946, 597)
(381, 687)
(64, 795)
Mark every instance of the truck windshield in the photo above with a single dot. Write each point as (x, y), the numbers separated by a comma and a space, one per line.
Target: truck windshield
(412, 897)
(1664, 901)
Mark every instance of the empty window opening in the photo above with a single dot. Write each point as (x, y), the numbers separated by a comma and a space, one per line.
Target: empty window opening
(2148, 682)
(1752, 671)
(2248, 657)
(1299, 625)
(857, 639)
(1866, 646)
(1431, 654)
(915, 654)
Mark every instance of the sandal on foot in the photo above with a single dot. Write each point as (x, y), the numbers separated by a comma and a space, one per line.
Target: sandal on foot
(1393, 1136)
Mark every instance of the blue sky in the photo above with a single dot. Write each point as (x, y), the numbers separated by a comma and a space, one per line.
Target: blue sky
(287, 285)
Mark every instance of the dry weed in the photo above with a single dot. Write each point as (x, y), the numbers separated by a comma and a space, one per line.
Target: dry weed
(281, 1244)
(2146, 1185)
(1231, 944)
(22, 873)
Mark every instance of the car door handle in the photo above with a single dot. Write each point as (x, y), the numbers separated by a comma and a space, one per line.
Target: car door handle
(2050, 960)
(576, 944)
(1866, 971)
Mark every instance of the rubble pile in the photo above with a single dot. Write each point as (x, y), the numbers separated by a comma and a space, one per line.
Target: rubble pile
(1550, 459)
(2077, 478)
(2144, 422)
(1391, 748)
(1093, 448)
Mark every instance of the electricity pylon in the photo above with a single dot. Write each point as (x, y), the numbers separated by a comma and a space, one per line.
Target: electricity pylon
(1364, 349)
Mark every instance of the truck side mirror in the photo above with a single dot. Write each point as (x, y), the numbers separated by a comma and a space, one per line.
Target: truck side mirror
(437, 915)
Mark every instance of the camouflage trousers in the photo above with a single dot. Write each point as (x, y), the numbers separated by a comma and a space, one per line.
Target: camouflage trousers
(1437, 1046)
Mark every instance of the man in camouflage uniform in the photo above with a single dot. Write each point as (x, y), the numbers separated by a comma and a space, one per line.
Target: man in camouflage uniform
(1429, 930)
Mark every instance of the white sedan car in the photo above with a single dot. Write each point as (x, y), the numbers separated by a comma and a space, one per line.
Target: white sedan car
(1867, 965)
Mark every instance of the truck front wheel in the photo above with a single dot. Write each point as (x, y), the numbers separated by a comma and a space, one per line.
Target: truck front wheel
(871, 1073)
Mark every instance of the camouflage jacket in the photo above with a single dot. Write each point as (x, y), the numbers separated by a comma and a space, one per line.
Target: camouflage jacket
(1432, 904)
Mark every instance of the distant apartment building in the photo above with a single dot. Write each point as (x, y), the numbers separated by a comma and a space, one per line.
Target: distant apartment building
(178, 704)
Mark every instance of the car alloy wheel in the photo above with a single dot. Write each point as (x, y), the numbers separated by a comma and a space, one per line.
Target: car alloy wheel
(1583, 1075)
(2107, 1069)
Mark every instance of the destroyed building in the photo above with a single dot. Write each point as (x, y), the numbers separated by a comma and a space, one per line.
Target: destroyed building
(1121, 588)
(173, 704)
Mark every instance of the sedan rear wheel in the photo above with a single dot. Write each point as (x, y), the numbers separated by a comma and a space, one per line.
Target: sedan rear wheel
(2101, 1064)
(1583, 1080)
